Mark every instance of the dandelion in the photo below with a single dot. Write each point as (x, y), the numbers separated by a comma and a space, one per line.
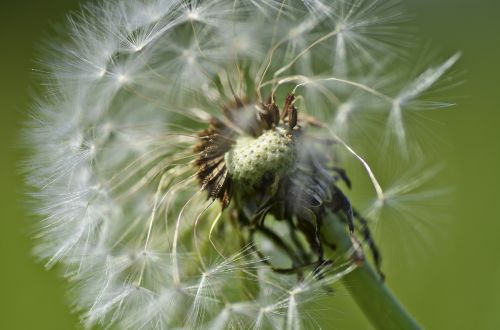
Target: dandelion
(188, 155)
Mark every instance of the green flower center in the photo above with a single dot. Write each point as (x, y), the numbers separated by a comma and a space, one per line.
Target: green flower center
(270, 156)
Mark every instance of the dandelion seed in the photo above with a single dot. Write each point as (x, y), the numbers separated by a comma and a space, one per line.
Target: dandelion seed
(155, 106)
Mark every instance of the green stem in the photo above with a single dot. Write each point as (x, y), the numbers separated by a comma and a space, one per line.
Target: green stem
(365, 285)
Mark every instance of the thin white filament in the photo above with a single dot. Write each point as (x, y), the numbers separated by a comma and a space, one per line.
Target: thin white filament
(303, 52)
(175, 261)
(150, 226)
(375, 183)
(210, 234)
(271, 52)
(195, 232)
(347, 82)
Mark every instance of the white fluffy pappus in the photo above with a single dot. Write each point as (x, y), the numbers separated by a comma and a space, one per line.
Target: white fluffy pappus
(128, 88)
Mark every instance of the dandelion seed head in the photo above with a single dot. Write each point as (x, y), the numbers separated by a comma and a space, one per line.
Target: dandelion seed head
(153, 106)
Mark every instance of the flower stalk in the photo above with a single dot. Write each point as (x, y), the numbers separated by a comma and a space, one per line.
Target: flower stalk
(366, 286)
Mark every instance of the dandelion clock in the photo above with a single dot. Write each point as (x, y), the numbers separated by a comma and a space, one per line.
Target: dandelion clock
(191, 160)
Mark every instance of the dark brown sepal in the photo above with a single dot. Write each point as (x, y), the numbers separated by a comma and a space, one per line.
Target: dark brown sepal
(292, 117)
(288, 104)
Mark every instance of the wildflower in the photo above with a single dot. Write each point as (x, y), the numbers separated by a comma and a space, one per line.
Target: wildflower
(188, 153)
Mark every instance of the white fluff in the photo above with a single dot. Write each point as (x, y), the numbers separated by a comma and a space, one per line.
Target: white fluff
(112, 141)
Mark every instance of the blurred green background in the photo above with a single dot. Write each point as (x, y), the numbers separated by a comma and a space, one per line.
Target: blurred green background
(457, 285)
